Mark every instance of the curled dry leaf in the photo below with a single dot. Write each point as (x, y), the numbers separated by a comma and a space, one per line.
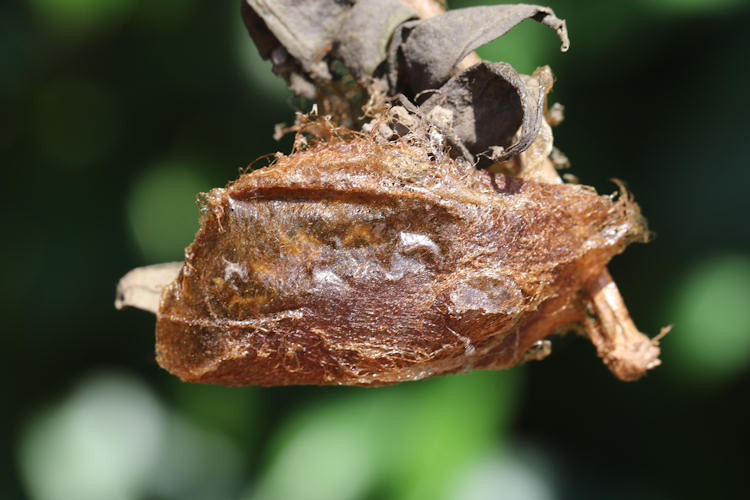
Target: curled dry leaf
(389, 51)
(429, 49)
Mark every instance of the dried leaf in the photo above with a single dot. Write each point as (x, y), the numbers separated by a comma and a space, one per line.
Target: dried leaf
(362, 40)
(487, 105)
(434, 46)
(305, 28)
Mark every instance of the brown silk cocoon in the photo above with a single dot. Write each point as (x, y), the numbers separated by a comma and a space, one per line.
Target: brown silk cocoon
(367, 263)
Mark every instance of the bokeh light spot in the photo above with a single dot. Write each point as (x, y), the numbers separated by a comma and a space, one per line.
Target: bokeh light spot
(101, 443)
(410, 440)
(73, 15)
(195, 464)
(112, 438)
(326, 459)
(162, 210)
(712, 320)
(510, 476)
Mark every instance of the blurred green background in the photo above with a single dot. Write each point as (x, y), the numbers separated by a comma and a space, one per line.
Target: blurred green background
(115, 113)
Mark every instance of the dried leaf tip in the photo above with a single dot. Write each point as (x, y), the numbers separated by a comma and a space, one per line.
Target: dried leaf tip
(549, 19)
(142, 287)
